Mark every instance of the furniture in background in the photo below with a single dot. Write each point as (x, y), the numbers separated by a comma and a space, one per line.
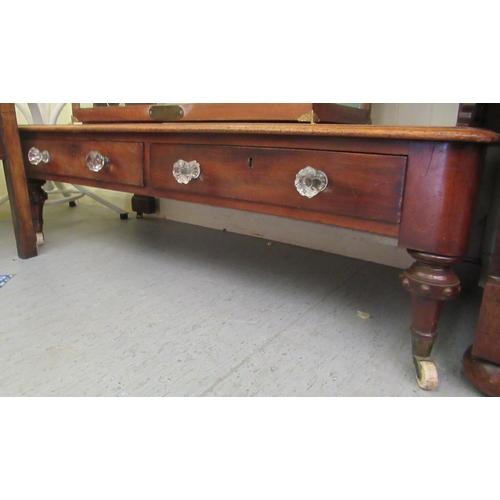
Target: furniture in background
(213, 112)
(482, 359)
(416, 184)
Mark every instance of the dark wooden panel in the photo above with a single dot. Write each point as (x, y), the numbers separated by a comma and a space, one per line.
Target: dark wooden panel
(482, 115)
(487, 338)
(67, 158)
(360, 185)
(495, 259)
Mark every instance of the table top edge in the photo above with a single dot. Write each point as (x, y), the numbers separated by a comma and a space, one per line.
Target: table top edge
(443, 134)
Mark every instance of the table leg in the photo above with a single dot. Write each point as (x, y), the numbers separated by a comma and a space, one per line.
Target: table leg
(37, 199)
(431, 282)
(15, 178)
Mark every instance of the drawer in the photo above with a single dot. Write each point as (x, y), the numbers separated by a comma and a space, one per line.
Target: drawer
(359, 185)
(68, 158)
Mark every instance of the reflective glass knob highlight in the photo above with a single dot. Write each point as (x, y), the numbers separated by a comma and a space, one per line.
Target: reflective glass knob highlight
(185, 171)
(35, 156)
(96, 161)
(310, 182)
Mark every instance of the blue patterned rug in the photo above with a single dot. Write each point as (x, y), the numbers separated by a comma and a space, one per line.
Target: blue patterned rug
(4, 278)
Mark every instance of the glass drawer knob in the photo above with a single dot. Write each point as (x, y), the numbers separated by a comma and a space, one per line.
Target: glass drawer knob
(35, 156)
(96, 161)
(185, 171)
(310, 182)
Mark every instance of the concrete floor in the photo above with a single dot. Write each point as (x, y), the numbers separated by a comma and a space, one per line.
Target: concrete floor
(150, 307)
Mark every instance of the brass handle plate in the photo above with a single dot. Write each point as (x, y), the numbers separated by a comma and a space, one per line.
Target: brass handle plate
(166, 112)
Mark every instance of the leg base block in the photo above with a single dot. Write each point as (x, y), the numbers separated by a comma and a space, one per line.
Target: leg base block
(483, 374)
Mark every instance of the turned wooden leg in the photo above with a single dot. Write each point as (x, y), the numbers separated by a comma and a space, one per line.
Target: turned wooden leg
(37, 199)
(431, 282)
(15, 179)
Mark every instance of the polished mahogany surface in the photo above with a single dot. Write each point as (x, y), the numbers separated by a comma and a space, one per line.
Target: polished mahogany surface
(415, 183)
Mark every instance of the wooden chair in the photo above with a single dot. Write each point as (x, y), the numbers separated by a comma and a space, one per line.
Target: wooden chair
(10, 153)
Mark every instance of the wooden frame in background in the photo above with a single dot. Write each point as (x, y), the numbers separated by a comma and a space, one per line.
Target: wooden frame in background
(209, 112)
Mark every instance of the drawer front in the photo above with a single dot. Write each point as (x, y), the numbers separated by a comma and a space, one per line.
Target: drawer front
(359, 185)
(68, 158)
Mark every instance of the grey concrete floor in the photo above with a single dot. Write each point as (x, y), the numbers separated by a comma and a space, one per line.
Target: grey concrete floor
(150, 307)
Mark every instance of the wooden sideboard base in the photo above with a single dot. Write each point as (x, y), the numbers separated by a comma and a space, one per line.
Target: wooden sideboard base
(483, 374)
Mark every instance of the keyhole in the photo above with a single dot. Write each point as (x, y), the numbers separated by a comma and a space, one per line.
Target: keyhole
(250, 162)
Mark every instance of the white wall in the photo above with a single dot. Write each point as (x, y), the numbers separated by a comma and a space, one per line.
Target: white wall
(421, 114)
(341, 241)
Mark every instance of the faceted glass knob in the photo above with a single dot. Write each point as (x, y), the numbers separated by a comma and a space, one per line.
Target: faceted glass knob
(35, 156)
(310, 182)
(96, 161)
(184, 171)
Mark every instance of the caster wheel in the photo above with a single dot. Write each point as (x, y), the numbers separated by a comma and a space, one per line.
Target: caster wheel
(427, 375)
(123, 216)
(39, 239)
(72, 204)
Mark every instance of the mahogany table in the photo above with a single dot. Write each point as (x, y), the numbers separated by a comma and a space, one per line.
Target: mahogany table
(416, 184)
